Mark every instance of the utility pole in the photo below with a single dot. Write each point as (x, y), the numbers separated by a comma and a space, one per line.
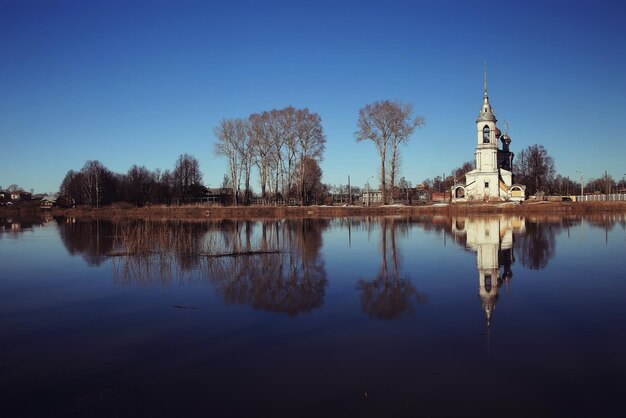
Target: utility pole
(349, 192)
(582, 182)
(369, 196)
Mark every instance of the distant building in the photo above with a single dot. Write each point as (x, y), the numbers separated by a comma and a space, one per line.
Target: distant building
(47, 202)
(372, 197)
(220, 195)
(493, 177)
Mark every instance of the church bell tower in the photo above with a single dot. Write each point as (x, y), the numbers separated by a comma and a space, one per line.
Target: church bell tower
(487, 135)
(492, 177)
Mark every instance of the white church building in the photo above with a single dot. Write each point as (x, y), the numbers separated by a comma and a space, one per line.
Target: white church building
(492, 179)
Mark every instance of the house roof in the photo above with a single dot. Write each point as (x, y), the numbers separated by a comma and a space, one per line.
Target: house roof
(216, 190)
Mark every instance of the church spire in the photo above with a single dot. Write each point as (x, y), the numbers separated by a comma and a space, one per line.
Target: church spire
(485, 76)
(486, 111)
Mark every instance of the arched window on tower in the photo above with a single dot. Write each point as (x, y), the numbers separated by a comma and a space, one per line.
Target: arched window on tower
(486, 134)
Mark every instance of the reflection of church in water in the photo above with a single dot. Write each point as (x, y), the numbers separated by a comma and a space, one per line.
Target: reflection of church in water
(492, 240)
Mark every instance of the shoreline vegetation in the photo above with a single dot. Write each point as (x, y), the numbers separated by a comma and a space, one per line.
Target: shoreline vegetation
(256, 212)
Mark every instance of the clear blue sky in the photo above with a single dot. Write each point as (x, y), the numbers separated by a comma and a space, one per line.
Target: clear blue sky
(140, 82)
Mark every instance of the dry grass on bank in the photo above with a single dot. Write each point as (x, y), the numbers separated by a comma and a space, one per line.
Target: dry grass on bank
(252, 212)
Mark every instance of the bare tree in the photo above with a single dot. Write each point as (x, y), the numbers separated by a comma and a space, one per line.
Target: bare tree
(71, 190)
(602, 184)
(187, 177)
(535, 168)
(387, 124)
(231, 133)
(277, 142)
(287, 127)
(94, 173)
(164, 187)
(402, 127)
(312, 143)
(260, 144)
(310, 184)
(246, 156)
(564, 185)
(373, 125)
(137, 184)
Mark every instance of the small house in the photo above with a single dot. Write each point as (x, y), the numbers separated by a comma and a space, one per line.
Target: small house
(47, 202)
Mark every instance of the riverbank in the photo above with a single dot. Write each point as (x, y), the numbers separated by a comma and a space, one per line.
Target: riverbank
(250, 212)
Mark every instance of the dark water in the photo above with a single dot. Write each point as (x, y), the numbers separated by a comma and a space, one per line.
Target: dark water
(415, 317)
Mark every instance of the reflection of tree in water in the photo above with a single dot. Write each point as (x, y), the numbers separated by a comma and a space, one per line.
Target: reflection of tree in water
(292, 280)
(536, 246)
(607, 221)
(149, 252)
(389, 295)
(92, 239)
(271, 265)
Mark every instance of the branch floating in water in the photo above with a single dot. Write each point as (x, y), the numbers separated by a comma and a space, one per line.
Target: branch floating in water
(237, 254)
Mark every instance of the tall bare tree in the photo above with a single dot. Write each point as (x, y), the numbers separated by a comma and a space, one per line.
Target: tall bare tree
(94, 173)
(246, 156)
(375, 126)
(402, 127)
(387, 124)
(231, 137)
(260, 143)
(287, 122)
(277, 143)
(311, 145)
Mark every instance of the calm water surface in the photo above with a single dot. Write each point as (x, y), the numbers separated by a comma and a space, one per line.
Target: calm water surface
(416, 317)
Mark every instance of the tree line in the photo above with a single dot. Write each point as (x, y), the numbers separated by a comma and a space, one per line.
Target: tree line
(95, 185)
(285, 147)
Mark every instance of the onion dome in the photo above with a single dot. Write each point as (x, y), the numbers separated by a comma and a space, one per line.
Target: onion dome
(486, 112)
